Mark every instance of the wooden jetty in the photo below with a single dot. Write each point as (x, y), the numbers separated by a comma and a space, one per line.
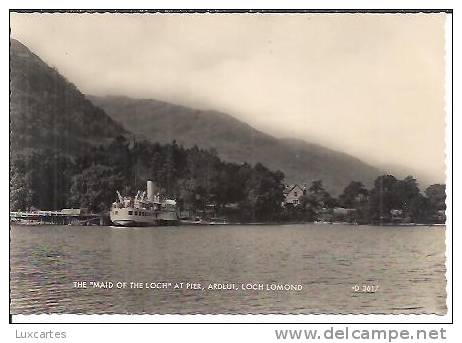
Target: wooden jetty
(63, 217)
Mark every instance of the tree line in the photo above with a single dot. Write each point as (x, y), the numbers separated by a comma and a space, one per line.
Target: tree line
(390, 200)
(203, 184)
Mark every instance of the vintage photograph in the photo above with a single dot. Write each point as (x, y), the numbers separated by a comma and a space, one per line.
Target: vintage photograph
(227, 163)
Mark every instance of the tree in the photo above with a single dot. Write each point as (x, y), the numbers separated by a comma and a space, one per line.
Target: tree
(20, 188)
(436, 195)
(95, 188)
(118, 155)
(382, 198)
(407, 192)
(353, 195)
(308, 206)
(41, 179)
(318, 196)
(264, 193)
(402, 195)
(419, 210)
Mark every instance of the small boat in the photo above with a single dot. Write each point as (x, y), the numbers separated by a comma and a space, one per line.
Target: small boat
(218, 221)
(200, 221)
(194, 221)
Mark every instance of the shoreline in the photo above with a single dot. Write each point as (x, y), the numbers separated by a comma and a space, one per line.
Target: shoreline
(244, 224)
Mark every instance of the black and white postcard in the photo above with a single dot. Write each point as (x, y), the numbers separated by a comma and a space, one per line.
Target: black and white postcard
(229, 163)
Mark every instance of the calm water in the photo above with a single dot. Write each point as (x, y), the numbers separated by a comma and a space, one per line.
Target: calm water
(407, 263)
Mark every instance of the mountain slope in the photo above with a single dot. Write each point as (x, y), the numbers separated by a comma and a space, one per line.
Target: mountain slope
(47, 111)
(236, 141)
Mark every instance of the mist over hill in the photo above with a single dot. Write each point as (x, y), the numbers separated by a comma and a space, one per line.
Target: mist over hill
(58, 134)
(49, 112)
(236, 141)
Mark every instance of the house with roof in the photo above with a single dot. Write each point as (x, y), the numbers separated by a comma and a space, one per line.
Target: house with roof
(293, 195)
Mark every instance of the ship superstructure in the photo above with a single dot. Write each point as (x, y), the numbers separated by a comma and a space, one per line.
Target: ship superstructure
(144, 209)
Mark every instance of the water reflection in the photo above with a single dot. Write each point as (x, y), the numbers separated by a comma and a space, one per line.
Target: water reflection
(407, 263)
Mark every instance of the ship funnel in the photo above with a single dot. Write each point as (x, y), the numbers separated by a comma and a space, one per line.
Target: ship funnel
(150, 191)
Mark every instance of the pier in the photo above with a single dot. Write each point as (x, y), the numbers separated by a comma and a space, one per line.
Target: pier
(63, 217)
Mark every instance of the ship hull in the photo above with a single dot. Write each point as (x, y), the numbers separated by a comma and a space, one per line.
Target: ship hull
(133, 217)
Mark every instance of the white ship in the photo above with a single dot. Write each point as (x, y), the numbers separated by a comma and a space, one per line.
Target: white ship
(145, 209)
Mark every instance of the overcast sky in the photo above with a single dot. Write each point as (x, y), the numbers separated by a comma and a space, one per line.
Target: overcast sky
(369, 85)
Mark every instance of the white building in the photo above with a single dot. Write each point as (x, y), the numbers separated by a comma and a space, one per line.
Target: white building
(293, 195)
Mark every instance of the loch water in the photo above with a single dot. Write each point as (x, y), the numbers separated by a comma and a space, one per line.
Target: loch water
(337, 266)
